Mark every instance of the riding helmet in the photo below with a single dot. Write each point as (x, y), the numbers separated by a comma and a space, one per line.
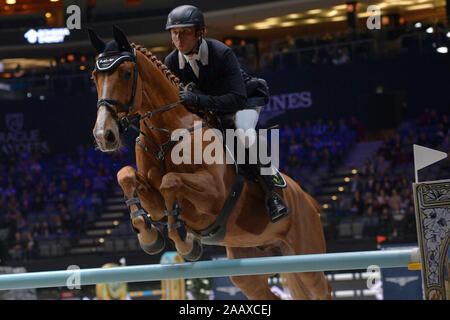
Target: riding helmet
(185, 16)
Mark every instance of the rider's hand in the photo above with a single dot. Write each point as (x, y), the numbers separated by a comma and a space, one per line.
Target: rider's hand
(189, 98)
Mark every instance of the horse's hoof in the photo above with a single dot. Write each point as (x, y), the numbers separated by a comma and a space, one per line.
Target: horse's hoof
(196, 252)
(157, 246)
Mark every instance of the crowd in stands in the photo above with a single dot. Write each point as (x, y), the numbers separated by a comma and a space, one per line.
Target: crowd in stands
(46, 196)
(343, 47)
(382, 199)
(312, 145)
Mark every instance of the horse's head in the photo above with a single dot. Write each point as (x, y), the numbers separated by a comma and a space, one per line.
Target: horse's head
(116, 78)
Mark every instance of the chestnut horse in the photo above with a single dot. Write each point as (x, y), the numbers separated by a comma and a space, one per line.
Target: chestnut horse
(131, 81)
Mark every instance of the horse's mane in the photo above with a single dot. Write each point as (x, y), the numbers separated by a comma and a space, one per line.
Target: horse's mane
(161, 66)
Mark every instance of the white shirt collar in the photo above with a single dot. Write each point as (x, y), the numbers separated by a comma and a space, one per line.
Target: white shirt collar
(202, 55)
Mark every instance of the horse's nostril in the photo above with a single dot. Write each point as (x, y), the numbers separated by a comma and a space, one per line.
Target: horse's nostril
(109, 136)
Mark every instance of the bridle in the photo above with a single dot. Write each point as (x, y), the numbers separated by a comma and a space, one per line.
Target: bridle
(108, 62)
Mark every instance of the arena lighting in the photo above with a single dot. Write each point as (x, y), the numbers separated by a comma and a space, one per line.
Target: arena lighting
(341, 18)
(240, 27)
(442, 50)
(448, 34)
(311, 21)
(325, 206)
(10, 1)
(418, 25)
(420, 7)
(334, 198)
(341, 189)
(293, 16)
(347, 179)
(332, 13)
(272, 19)
(48, 15)
(288, 24)
(429, 30)
(314, 11)
(340, 7)
(354, 171)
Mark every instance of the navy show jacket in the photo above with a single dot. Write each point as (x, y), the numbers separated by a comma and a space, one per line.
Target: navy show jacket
(220, 81)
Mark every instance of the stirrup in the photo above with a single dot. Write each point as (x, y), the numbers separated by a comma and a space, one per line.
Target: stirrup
(280, 212)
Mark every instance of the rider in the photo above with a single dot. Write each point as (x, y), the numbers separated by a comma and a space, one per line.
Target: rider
(214, 69)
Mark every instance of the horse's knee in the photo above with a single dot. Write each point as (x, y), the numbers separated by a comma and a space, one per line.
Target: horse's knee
(171, 181)
(126, 177)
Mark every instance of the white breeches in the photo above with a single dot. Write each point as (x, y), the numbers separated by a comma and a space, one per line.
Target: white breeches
(245, 123)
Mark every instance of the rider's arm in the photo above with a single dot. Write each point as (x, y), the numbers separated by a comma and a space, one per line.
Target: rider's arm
(235, 97)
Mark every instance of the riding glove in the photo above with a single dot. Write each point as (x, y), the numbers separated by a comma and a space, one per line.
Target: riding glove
(189, 98)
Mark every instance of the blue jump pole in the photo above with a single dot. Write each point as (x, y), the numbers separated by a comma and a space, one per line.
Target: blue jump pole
(215, 268)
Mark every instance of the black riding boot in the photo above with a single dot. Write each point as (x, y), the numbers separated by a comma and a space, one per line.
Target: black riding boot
(274, 203)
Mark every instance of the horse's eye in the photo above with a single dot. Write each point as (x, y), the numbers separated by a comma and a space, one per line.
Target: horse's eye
(127, 75)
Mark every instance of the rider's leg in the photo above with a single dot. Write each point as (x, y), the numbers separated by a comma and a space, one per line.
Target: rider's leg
(245, 123)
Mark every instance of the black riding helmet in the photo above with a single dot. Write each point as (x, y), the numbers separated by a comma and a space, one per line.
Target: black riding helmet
(185, 16)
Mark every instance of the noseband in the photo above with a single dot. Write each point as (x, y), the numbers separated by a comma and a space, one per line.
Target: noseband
(108, 62)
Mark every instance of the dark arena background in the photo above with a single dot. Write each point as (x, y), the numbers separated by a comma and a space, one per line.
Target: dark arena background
(350, 94)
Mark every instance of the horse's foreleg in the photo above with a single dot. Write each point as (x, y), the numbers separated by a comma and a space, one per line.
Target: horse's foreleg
(150, 238)
(199, 190)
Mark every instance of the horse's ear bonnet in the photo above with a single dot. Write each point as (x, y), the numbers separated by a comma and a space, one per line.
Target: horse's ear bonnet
(112, 54)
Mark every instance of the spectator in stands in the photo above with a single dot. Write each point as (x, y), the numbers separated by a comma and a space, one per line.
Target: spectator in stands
(382, 198)
(356, 127)
(406, 198)
(395, 200)
(30, 246)
(368, 168)
(84, 201)
(80, 220)
(37, 204)
(425, 117)
(383, 166)
(67, 221)
(385, 223)
(368, 199)
(398, 216)
(319, 128)
(370, 184)
(356, 184)
(370, 221)
(16, 252)
(58, 227)
(445, 145)
(342, 57)
(357, 204)
(402, 157)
